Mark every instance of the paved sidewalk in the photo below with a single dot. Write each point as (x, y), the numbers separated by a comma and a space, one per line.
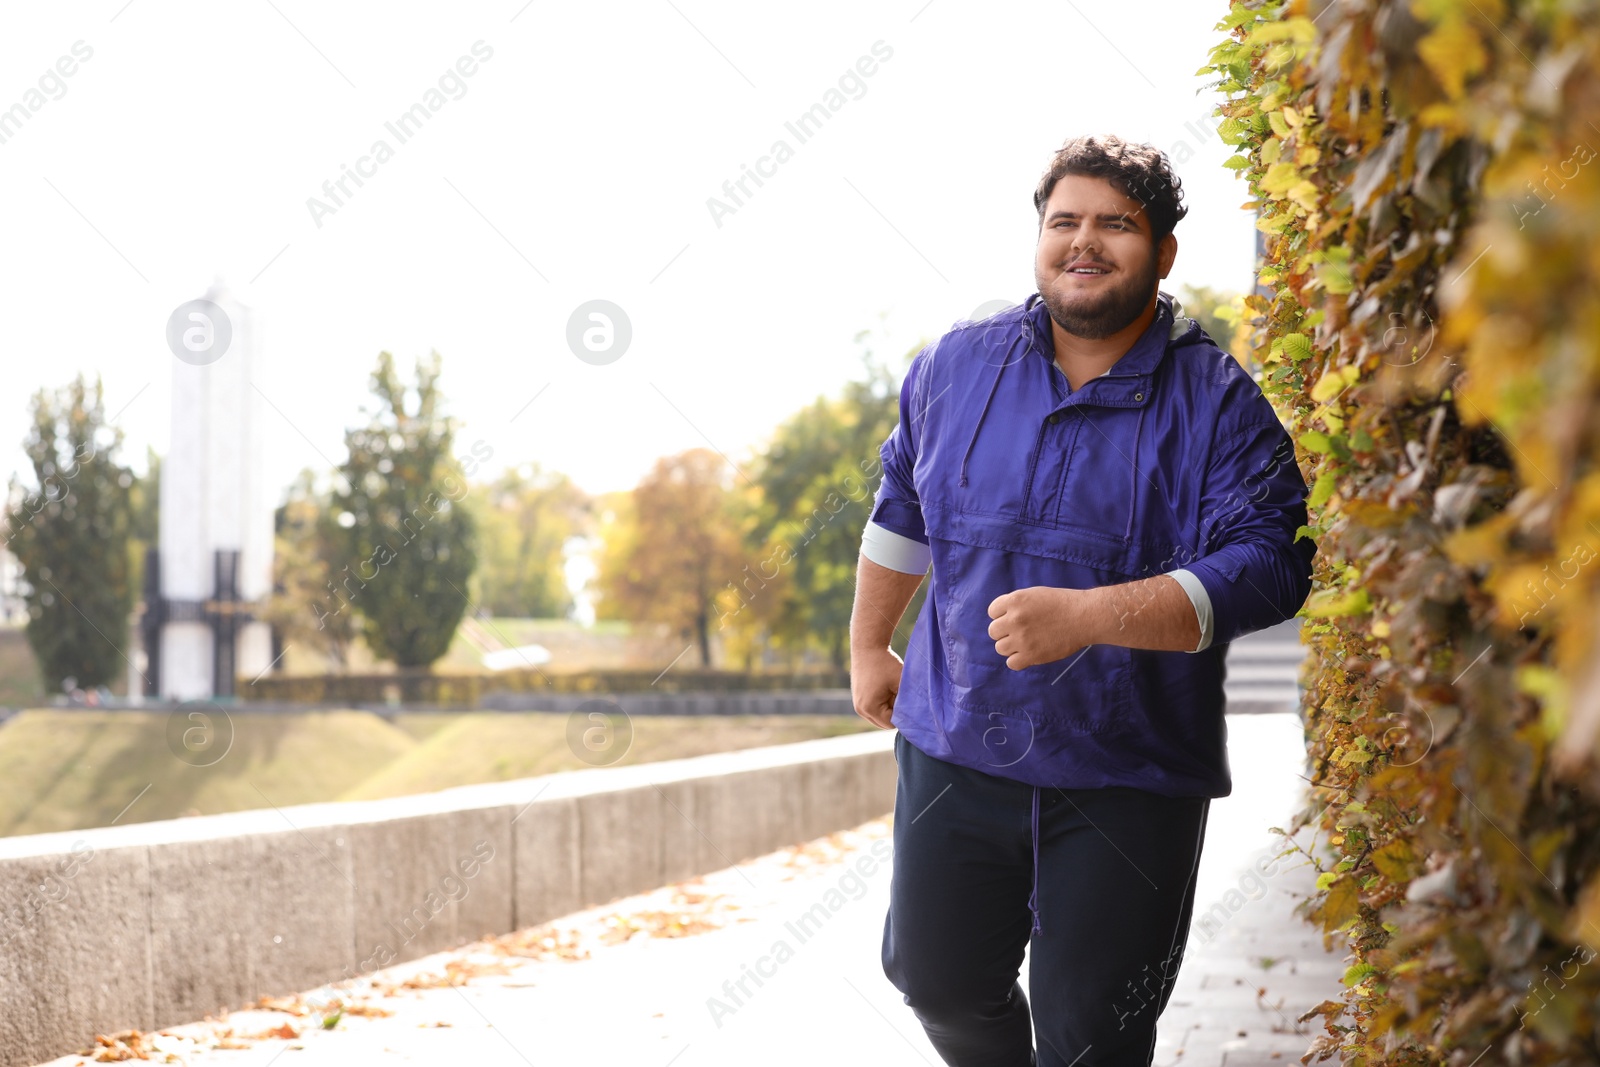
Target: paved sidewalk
(776, 961)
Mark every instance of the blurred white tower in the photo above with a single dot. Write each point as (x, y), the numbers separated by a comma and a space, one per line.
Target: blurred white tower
(215, 559)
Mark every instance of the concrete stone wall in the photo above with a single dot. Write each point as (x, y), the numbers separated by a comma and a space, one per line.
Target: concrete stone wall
(156, 924)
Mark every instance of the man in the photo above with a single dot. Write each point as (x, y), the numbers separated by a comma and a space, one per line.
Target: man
(1107, 500)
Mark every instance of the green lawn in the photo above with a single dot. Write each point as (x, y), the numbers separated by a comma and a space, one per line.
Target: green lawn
(19, 671)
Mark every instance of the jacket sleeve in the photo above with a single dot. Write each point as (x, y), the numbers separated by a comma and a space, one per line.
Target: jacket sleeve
(896, 507)
(1254, 571)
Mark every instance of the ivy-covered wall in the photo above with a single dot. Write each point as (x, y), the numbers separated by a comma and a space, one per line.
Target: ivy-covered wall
(1426, 174)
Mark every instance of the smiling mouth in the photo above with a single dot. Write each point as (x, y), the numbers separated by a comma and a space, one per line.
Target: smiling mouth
(1087, 272)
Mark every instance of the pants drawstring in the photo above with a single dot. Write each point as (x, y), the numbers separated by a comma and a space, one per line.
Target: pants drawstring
(1033, 900)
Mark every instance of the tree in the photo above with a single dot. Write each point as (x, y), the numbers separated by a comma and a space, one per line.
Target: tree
(405, 551)
(817, 478)
(304, 605)
(524, 521)
(71, 536)
(1219, 313)
(670, 557)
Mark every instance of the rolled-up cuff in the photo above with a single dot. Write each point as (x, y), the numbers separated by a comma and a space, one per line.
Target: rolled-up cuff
(1201, 601)
(896, 551)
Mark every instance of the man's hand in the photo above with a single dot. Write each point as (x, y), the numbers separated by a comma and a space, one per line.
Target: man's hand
(874, 683)
(1041, 624)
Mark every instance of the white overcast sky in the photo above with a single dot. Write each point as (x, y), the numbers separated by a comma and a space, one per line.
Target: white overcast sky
(576, 166)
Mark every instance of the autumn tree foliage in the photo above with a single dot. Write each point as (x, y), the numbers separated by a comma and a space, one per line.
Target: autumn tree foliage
(669, 556)
(1425, 173)
(525, 519)
(303, 606)
(815, 482)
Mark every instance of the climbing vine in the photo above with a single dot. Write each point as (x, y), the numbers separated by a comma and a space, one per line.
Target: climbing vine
(1428, 320)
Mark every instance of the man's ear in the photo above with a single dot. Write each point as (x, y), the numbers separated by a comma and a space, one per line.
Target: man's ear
(1166, 252)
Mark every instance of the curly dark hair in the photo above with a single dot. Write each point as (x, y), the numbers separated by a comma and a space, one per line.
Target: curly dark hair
(1140, 171)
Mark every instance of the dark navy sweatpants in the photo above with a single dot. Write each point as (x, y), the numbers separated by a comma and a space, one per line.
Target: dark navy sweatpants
(1115, 890)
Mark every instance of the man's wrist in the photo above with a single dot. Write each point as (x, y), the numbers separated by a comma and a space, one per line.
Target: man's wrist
(1099, 613)
(1109, 612)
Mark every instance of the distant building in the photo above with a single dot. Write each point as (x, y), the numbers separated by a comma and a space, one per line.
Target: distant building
(13, 609)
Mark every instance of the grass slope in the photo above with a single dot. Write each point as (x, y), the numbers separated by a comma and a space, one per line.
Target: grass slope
(71, 770)
(495, 747)
(68, 770)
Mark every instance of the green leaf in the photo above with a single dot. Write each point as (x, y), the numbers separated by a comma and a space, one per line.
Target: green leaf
(1335, 271)
(1315, 441)
(1336, 602)
(1326, 483)
(1357, 972)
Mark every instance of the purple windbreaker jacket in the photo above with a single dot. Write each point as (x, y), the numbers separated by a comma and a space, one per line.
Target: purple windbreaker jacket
(1173, 459)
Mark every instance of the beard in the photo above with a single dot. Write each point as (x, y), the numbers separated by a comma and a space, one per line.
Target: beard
(1096, 316)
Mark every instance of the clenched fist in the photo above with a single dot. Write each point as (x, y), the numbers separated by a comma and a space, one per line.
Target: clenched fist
(1042, 624)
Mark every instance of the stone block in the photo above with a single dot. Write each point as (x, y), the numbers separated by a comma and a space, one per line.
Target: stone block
(547, 884)
(76, 956)
(301, 901)
(619, 840)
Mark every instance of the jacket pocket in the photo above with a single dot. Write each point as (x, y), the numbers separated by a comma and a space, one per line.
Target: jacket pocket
(1089, 690)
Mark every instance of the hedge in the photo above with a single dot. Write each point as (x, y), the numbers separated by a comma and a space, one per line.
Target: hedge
(1428, 319)
(468, 690)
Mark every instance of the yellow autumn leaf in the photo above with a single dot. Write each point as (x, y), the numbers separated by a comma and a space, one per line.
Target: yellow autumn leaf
(1305, 194)
(1280, 177)
(1333, 382)
(1397, 860)
(1278, 56)
(1342, 904)
(1453, 52)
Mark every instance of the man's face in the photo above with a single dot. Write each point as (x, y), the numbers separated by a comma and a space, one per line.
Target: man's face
(1096, 266)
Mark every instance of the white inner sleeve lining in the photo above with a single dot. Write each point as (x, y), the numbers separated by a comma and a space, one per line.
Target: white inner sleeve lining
(895, 551)
(1201, 601)
(910, 556)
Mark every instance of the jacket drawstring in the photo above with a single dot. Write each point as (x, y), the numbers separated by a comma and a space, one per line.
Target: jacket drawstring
(1025, 335)
(1033, 901)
